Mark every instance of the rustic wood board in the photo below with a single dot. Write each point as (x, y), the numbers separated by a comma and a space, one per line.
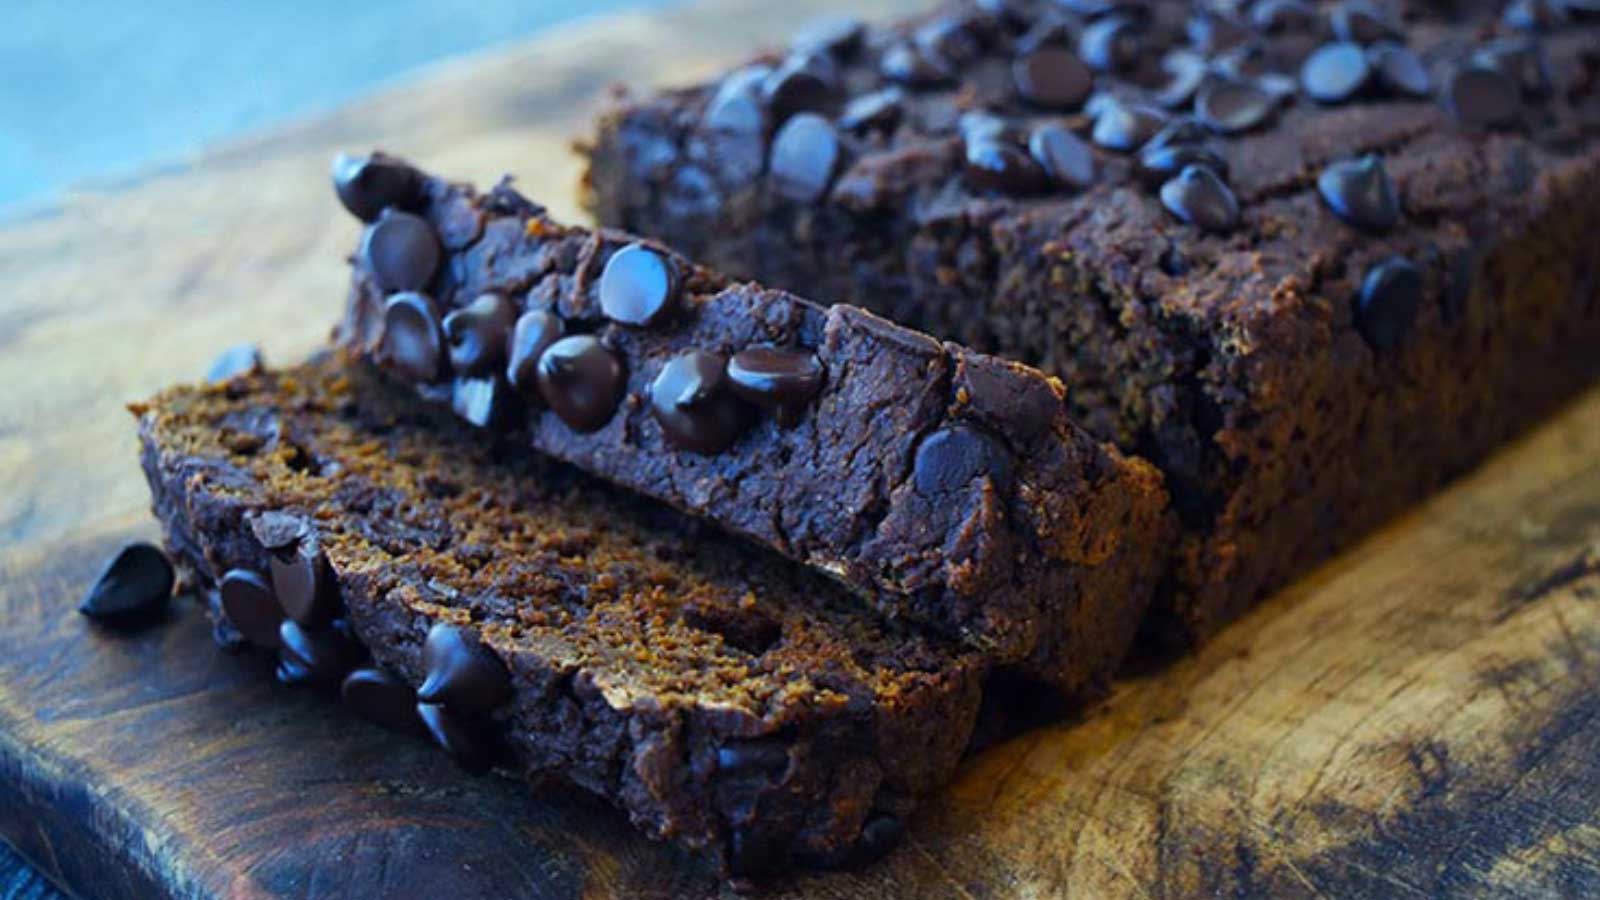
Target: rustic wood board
(1418, 718)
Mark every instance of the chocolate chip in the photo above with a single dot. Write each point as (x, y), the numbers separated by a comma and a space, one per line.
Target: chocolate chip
(1065, 157)
(1399, 71)
(1179, 130)
(1199, 197)
(1186, 71)
(639, 286)
(402, 250)
(1523, 61)
(1052, 29)
(240, 359)
(581, 380)
(247, 599)
(1109, 44)
(766, 756)
(1361, 22)
(410, 343)
(305, 586)
(1282, 88)
(1336, 72)
(368, 184)
(1387, 306)
(313, 656)
(907, 65)
(1053, 78)
(1480, 95)
(469, 744)
(1212, 32)
(1279, 16)
(1121, 126)
(839, 34)
(1361, 193)
(998, 165)
(774, 378)
(462, 673)
(805, 154)
(691, 400)
(804, 81)
(480, 401)
(736, 109)
(132, 588)
(1158, 163)
(878, 836)
(477, 334)
(379, 697)
(977, 125)
(533, 334)
(954, 39)
(877, 110)
(1233, 107)
(1535, 15)
(957, 455)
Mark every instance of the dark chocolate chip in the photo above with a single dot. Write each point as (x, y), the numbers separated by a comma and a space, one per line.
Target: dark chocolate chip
(838, 34)
(1157, 164)
(639, 286)
(582, 380)
(1064, 156)
(411, 343)
(1233, 107)
(957, 455)
(1387, 306)
(1053, 78)
(878, 836)
(805, 155)
(1052, 29)
(368, 184)
(305, 585)
(469, 744)
(1360, 192)
(379, 697)
(1280, 16)
(240, 359)
(462, 673)
(905, 64)
(1212, 32)
(1179, 130)
(1480, 95)
(692, 401)
(1535, 15)
(319, 656)
(533, 334)
(803, 82)
(998, 165)
(1335, 72)
(480, 401)
(1399, 71)
(1523, 60)
(1110, 44)
(955, 39)
(1362, 22)
(1199, 197)
(765, 756)
(132, 588)
(1122, 126)
(247, 600)
(877, 110)
(977, 125)
(402, 250)
(736, 109)
(477, 334)
(1186, 71)
(1282, 88)
(775, 378)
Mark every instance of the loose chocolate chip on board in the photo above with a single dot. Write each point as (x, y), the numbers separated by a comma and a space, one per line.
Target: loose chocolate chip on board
(248, 602)
(639, 286)
(240, 359)
(477, 333)
(318, 656)
(1335, 72)
(693, 402)
(1361, 193)
(366, 185)
(379, 697)
(1199, 197)
(305, 586)
(1066, 158)
(774, 378)
(402, 251)
(958, 455)
(805, 155)
(1052, 78)
(470, 744)
(534, 332)
(132, 588)
(581, 380)
(1387, 305)
(462, 673)
(411, 341)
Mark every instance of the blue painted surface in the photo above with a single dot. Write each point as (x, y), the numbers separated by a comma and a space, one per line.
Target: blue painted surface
(99, 88)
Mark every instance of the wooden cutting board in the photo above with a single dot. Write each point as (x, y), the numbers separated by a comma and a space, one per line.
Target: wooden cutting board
(1418, 718)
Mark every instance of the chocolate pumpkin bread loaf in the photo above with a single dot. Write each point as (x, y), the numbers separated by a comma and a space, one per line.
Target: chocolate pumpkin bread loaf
(526, 617)
(945, 486)
(1310, 259)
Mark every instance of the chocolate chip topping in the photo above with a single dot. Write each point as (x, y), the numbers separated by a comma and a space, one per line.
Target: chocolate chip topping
(1280, 16)
(305, 586)
(1387, 305)
(379, 697)
(1336, 72)
(1109, 44)
(905, 64)
(774, 378)
(877, 110)
(1399, 71)
(133, 587)
(480, 401)
(804, 81)
(462, 673)
(533, 334)
(477, 334)
(1522, 60)
(251, 606)
(994, 164)
(639, 286)
(958, 455)
(1052, 78)
(1122, 126)
(1159, 163)
(411, 341)
(581, 380)
(1066, 158)
(805, 155)
(1230, 106)
(318, 656)
(402, 250)
(468, 743)
(1360, 192)
(1199, 197)
(692, 400)
(1186, 71)
(736, 111)
(1361, 22)
(366, 185)
(1480, 95)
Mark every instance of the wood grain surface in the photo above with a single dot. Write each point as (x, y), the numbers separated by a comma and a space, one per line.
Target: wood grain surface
(1419, 718)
